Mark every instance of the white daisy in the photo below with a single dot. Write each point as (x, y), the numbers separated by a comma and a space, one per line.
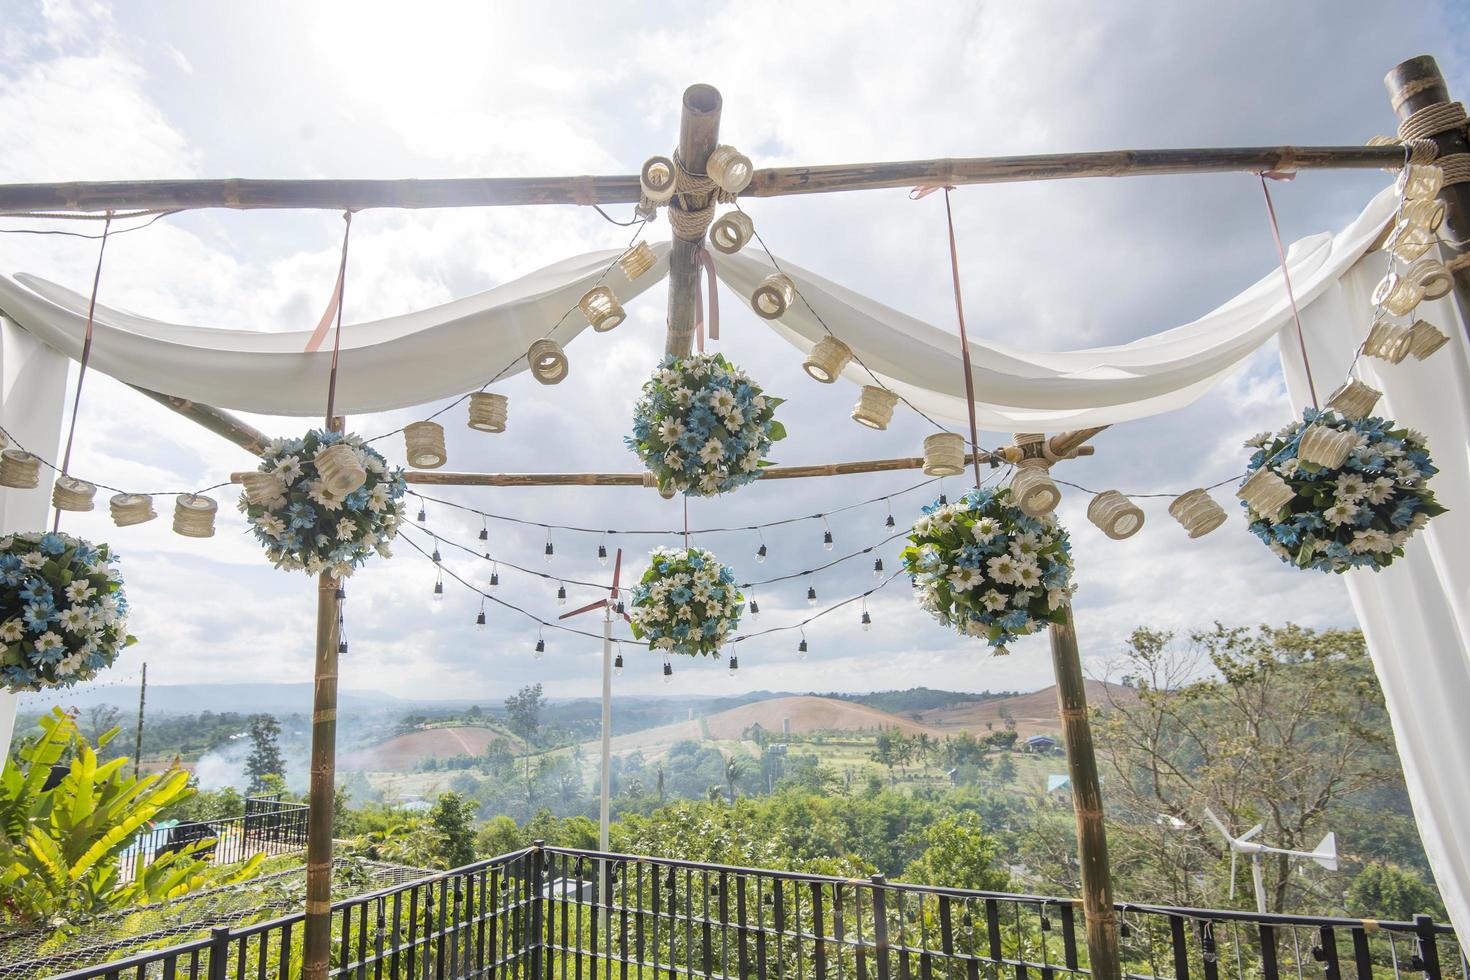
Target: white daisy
(378, 498)
(670, 429)
(12, 631)
(1350, 486)
(1002, 568)
(323, 496)
(993, 600)
(288, 468)
(1028, 575)
(75, 620)
(712, 451)
(32, 559)
(1379, 491)
(49, 641)
(964, 579)
(1023, 545)
(1340, 513)
(347, 529)
(1370, 539)
(271, 524)
(80, 590)
(985, 529)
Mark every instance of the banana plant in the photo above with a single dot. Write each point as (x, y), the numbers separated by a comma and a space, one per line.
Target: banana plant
(64, 849)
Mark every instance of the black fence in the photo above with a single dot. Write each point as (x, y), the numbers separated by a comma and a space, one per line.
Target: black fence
(268, 826)
(556, 914)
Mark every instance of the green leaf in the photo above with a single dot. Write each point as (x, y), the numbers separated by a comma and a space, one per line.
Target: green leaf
(776, 431)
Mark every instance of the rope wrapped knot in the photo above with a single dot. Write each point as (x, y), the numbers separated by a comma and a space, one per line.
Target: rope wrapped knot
(1434, 120)
(692, 224)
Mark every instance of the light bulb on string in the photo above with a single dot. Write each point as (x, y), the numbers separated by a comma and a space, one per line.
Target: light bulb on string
(561, 594)
(801, 647)
(734, 665)
(341, 647)
(867, 620)
(601, 553)
(760, 553)
(540, 650)
(550, 548)
(878, 568)
(890, 522)
(480, 619)
(341, 593)
(620, 609)
(438, 594)
(668, 672)
(436, 556)
(423, 514)
(755, 607)
(484, 530)
(826, 535)
(943, 497)
(494, 573)
(811, 595)
(618, 660)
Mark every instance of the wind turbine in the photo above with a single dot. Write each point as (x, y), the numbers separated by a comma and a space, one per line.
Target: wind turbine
(1325, 855)
(609, 606)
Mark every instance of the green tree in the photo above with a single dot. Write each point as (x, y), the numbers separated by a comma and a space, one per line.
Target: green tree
(523, 715)
(958, 854)
(265, 752)
(453, 817)
(62, 849)
(1386, 892)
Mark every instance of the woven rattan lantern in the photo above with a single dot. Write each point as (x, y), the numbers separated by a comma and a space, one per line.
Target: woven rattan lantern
(425, 445)
(875, 407)
(1425, 338)
(548, 361)
(827, 360)
(340, 469)
(1427, 214)
(194, 515)
(1388, 341)
(731, 231)
(1431, 276)
(131, 508)
(774, 296)
(262, 489)
(487, 411)
(19, 469)
(1408, 241)
(601, 308)
(1115, 515)
(636, 261)
(657, 179)
(1397, 294)
(1354, 400)
(1266, 493)
(69, 493)
(1197, 511)
(1324, 446)
(944, 454)
(729, 168)
(1419, 181)
(1032, 488)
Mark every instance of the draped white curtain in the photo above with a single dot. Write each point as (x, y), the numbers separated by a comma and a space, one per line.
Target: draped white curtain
(32, 394)
(1415, 614)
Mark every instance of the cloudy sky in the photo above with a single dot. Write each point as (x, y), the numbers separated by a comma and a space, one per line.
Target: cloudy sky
(438, 90)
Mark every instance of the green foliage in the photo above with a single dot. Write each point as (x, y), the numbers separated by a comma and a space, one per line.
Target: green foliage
(265, 753)
(62, 850)
(1387, 892)
(958, 854)
(454, 818)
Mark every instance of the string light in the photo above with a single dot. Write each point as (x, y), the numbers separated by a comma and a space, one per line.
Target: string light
(550, 548)
(811, 595)
(826, 535)
(878, 568)
(540, 645)
(480, 619)
(561, 595)
(619, 608)
(618, 660)
(484, 529)
(423, 514)
(760, 553)
(801, 647)
(341, 593)
(890, 522)
(494, 573)
(341, 647)
(602, 554)
(436, 557)
(943, 497)
(755, 607)
(668, 672)
(867, 620)
(438, 594)
(734, 664)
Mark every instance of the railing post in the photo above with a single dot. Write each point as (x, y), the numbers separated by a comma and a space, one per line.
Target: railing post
(538, 888)
(1428, 946)
(219, 952)
(880, 925)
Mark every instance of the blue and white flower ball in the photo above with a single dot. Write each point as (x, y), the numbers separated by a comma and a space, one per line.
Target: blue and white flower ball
(984, 567)
(702, 427)
(305, 526)
(1357, 515)
(687, 602)
(63, 614)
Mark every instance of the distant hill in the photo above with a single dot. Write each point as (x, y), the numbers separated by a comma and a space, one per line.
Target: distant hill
(917, 699)
(1034, 713)
(404, 752)
(278, 699)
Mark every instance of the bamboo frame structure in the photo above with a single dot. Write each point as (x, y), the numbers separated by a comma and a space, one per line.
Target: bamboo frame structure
(1412, 85)
(477, 192)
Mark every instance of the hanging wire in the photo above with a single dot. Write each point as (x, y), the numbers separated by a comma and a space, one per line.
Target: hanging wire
(76, 405)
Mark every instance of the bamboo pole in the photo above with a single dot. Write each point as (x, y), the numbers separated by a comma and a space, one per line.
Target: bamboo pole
(1412, 85)
(317, 932)
(216, 420)
(442, 479)
(138, 742)
(699, 132)
(475, 192)
(1092, 840)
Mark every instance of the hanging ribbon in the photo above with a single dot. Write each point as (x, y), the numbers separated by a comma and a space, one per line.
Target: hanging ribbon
(1286, 275)
(76, 403)
(314, 342)
(918, 194)
(702, 258)
(337, 333)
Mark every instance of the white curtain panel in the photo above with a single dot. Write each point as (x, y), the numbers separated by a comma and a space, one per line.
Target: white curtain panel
(32, 396)
(1036, 391)
(1415, 614)
(385, 364)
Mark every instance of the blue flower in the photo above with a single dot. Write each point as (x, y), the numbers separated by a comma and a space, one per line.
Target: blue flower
(52, 544)
(681, 631)
(696, 562)
(39, 615)
(691, 442)
(681, 595)
(36, 590)
(710, 627)
(1016, 619)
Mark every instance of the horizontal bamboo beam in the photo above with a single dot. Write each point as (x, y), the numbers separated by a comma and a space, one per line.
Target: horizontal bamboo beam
(440, 479)
(466, 192)
(216, 420)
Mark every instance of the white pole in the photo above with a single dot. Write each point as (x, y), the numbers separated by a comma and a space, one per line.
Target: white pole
(604, 812)
(1259, 880)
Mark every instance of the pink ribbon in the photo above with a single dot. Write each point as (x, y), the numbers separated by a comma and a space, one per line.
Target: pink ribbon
(702, 257)
(924, 190)
(325, 324)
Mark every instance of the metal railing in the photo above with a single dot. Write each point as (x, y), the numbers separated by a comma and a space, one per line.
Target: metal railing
(558, 914)
(267, 827)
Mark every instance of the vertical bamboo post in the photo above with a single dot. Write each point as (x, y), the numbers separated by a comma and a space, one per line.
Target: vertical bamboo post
(318, 927)
(699, 131)
(1414, 85)
(1092, 839)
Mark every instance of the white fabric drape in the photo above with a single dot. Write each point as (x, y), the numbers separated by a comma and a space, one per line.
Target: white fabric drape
(32, 396)
(1035, 391)
(1415, 614)
(392, 363)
